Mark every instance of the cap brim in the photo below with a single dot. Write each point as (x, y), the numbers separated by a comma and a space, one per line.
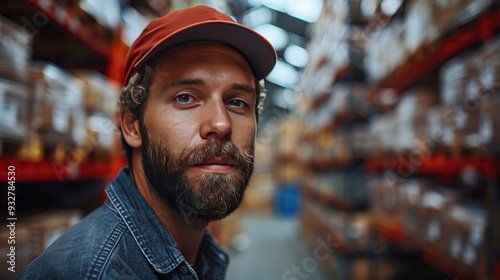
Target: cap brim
(259, 53)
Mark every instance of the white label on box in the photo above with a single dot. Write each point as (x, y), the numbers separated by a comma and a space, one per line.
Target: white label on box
(78, 134)
(60, 119)
(488, 77)
(469, 257)
(476, 234)
(455, 246)
(486, 129)
(10, 110)
(434, 230)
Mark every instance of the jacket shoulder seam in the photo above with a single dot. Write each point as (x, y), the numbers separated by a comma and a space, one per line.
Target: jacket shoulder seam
(104, 255)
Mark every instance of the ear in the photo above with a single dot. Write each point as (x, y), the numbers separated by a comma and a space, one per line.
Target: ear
(130, 130)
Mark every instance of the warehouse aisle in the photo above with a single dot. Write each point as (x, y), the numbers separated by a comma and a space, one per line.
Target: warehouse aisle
(271, 248)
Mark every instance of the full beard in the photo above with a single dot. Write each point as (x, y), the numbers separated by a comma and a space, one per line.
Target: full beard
(197, 200)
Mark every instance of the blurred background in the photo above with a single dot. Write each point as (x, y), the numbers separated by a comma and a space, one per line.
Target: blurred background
(377, 155)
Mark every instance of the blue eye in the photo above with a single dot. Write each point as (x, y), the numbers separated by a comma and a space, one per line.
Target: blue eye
(184, 98)
(237, 103)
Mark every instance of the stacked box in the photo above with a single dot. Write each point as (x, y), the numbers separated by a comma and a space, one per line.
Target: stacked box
(386, 198)
(461, 92)
(99, 93)
(421, 25)
(15, 51)
(465, 241)
(490, 66)
(410, 195)
(56, 113)
(13, 111)
(411, 117)
(431, 229)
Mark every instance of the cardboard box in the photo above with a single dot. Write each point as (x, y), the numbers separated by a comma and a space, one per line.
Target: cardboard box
(13, 111)
(16, 45)
(490, 121)
(432, 231)
(100, 94)
(466, 241)
(55, 94)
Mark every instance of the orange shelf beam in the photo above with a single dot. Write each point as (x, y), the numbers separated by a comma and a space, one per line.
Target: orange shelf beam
(481, 29)
(53, 171)
(67, 18)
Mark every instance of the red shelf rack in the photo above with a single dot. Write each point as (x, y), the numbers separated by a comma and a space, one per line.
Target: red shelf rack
(46, 170)
(479, 30)
(435, 164)
(68, 19)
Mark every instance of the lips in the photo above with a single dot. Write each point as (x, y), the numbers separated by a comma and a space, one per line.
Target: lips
(218, 161)
(217, 165)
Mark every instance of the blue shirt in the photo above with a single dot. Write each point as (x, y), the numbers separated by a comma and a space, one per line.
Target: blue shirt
(124, 239)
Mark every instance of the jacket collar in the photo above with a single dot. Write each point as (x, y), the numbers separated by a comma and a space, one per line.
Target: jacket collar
(152, 237)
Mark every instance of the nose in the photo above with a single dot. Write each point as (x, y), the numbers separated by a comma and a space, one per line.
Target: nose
(216, 122)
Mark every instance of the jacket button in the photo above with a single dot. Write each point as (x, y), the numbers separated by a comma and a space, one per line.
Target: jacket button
(184, 270)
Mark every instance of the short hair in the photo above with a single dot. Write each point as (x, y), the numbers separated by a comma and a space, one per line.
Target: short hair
(134, 95)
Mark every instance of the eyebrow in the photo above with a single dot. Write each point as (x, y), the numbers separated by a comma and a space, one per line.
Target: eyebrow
(243, 87)
(185, 82)
(200, 82)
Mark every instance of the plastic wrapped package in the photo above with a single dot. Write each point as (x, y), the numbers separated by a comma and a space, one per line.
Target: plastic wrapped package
(382, 131)
(489, 123)
(448, 14)
(466, 237)
(453, 78)
(420, 25)
(411, 117)
(15, 50)
(490, 67)
(99, 92)
(431, 229)
(55, 95)
(14, 111)
(436, 128)
(385, 197)
(462, 93)
(411, 193)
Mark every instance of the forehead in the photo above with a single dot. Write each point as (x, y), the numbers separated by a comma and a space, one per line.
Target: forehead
(203, 52)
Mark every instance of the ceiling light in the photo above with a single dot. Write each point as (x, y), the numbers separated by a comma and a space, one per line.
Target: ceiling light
(283, 75)
(256, 17)
(296, 56)
(390, 7)
(275, 35)
(306, 10)
(369, 8)
(134, 23)
(278, 5)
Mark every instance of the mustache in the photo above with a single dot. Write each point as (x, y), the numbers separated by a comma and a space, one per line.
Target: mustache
(215, 148)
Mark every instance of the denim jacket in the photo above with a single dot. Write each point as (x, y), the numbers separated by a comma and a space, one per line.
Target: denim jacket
(123, 239)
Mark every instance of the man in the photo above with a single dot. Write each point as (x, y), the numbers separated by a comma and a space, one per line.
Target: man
(188, 117)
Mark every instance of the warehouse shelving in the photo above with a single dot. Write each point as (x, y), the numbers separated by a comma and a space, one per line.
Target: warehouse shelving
(46, 170)
(471, 29)
(69, 19)
(88, 45)
(430, 57)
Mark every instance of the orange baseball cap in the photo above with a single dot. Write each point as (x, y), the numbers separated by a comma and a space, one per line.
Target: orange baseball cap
(200, 23)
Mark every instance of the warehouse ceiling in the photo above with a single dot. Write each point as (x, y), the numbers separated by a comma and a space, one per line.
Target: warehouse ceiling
(284, 23)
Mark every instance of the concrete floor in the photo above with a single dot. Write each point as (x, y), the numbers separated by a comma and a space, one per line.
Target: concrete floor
(271, 249)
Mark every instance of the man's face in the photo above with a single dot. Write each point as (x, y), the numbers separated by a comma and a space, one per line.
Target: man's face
(198, 130)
